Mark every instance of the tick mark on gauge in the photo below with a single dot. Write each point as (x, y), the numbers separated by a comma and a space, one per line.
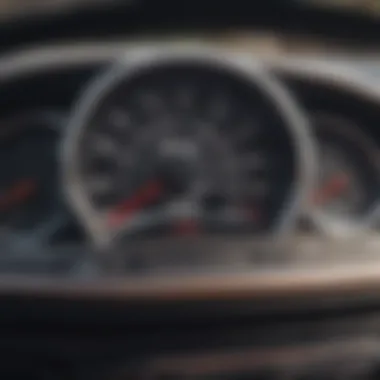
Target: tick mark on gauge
(99, 184)
(119, 119)
(253, 161)
(178, 148)
(103, 145)
(219, 108)
(256, 188)
(214, 202)
(185, 97)
(244, 134)
(150, 101)
(103, 165)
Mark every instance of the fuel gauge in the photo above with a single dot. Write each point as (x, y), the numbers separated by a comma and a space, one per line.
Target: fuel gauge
(31, 210)
(346, 196)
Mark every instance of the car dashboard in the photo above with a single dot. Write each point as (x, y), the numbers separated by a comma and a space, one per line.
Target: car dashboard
(188, 180)
(294, 190)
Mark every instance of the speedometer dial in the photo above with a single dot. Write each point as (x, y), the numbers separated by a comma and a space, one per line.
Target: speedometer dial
(185, 146)
(191, 152)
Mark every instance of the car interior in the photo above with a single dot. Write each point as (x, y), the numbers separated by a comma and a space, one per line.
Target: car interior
(190, 190)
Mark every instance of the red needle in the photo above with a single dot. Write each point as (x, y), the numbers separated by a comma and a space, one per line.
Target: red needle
(186, 227)
(18, 193)
(147, 194)
(331, 189)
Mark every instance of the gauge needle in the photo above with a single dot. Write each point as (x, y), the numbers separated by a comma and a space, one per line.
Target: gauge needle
(331, 189)
(186, 227)
(18, 193)
(144, 196)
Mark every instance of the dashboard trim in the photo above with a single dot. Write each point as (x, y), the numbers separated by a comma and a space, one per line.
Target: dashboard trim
(328, 281)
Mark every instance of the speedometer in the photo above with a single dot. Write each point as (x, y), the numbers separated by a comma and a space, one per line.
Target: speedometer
(178, 145)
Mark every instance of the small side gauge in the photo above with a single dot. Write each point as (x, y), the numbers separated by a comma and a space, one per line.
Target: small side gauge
(30, 208)
(346, 199)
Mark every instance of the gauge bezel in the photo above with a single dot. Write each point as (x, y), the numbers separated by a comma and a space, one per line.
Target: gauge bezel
(142, 58)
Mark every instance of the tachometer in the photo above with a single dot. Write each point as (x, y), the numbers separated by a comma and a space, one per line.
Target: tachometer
(171, 146)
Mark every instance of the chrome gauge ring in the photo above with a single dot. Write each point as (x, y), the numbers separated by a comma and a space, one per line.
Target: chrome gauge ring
(172, 142)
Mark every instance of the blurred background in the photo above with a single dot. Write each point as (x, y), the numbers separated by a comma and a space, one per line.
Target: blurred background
(7, 6)
(267, 43)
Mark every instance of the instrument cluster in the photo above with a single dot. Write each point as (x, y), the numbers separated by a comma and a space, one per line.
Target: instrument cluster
(175, 152)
